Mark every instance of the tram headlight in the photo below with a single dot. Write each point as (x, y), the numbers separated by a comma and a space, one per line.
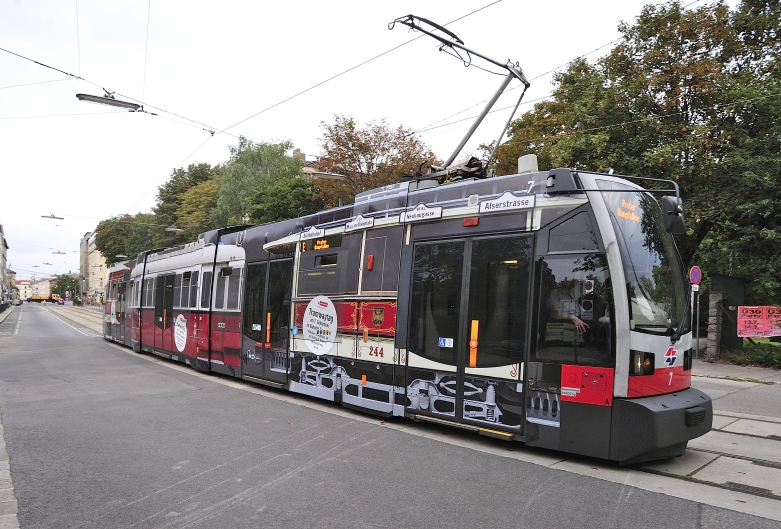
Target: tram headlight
(642, 363)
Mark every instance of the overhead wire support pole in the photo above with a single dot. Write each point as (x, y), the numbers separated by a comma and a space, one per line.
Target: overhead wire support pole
(514, 71)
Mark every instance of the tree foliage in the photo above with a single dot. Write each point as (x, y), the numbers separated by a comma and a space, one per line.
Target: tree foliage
(688, 95)
(195, 209)
(65, 283)
(169, 201)
(252, 166)
(286, 199)
(125, 235)
(369, 157)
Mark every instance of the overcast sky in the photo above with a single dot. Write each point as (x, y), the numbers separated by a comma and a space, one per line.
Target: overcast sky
(219, 63)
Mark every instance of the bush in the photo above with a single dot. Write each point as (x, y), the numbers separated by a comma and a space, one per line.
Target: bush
(765, 353)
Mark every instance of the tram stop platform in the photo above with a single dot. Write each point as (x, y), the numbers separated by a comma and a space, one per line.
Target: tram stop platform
(743, 450)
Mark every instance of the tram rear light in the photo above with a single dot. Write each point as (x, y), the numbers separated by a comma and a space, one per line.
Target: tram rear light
(471, 221)
(642, 363)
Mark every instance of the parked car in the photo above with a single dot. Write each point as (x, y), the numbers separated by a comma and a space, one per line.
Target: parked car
(16, 302)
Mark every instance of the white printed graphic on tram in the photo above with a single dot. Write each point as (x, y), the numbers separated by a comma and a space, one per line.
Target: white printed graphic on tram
(320, 325)
(180, 332)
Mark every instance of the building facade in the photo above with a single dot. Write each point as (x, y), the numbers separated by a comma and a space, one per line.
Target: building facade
(96, 268)
(25, 288)
(4, 291)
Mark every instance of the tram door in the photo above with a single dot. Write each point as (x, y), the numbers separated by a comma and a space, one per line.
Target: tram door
(267, 320)
(467, 330)
(164, 308)
(119, 317)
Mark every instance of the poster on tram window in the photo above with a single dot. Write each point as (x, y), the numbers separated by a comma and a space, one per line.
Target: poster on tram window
(759, 322)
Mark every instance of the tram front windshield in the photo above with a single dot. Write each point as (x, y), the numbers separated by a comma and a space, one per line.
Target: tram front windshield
(654, 274)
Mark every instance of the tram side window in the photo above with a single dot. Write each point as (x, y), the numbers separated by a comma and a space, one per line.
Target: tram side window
(148, 293)
(234, 285)
(329, 265)
(177, 290)
(574, 318)
(131, 293)
(573, 235)
(194, 290)
(222, 283)
(206, 290)
(184, 300)
(382, 250)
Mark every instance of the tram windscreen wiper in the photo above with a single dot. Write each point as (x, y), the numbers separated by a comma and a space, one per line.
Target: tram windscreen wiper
(679, 331)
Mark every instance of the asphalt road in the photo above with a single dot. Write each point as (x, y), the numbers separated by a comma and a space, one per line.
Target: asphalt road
(100, 437)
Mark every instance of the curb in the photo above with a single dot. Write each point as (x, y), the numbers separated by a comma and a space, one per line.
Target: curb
(6, 313)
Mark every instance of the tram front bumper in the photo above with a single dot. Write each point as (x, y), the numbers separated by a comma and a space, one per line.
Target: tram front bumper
(658, 427)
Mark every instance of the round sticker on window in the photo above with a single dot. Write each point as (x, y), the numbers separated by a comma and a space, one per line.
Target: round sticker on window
(180, 332)
(320, 325)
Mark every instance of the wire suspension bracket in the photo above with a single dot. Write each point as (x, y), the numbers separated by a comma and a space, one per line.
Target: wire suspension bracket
(453, 45)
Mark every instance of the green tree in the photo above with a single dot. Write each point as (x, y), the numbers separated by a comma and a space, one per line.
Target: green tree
(125, 235)
(368, 156)
(285, 199)
(169, 200)
(111, 237)
(687, 95)
(194, 213)
(65, 283)
(251, 167)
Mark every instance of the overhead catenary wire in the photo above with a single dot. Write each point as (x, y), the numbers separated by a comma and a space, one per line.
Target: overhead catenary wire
(33, 84)
(426, 127)
(80, 78)
(64, 115)
(351, 69)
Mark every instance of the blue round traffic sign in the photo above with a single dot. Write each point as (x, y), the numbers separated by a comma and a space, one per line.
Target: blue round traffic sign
(695, 275)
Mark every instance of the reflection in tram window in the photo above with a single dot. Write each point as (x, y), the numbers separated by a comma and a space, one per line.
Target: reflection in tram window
(498, 299)
(436, 300)
(575, 323)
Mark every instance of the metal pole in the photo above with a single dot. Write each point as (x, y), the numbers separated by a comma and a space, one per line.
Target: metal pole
(691, 312)
(474, 126)
(698, 323)
(506, 126)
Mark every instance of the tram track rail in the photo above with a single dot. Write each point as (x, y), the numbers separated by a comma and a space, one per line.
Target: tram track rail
(731, 486)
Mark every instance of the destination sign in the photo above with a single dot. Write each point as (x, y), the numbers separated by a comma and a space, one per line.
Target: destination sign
(421, 212)
(312, 233)
(506, 202)
(359, 223)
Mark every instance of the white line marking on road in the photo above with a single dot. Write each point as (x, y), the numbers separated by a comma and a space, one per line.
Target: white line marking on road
(19, 321)
(69, 325)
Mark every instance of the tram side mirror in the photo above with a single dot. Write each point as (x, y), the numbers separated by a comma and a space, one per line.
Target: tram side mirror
(560, 180)
(673, 215)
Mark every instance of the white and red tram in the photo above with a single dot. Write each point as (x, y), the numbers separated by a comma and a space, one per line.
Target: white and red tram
(548, 308)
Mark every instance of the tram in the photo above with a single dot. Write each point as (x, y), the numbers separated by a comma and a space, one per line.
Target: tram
(546, 307)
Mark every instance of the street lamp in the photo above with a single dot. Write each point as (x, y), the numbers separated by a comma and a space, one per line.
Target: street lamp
(174, 229)
(109, 100)
(121, 256)
(52, 216)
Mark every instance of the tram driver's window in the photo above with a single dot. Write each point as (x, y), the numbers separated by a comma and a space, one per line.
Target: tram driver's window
(574, 315)
(575, 234)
